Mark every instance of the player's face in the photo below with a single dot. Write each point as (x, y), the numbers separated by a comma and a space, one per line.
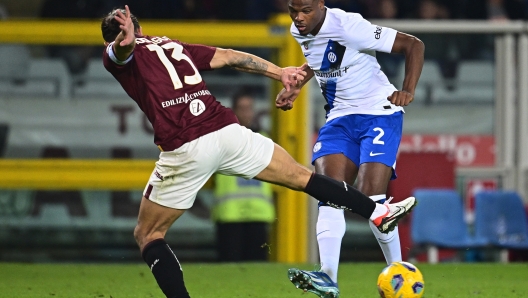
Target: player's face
(307, 15)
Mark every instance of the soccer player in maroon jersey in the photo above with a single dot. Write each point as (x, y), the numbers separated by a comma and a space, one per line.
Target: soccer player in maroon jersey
(197, 137)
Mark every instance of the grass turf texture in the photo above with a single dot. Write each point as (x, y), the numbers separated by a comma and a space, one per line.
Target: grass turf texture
(250, 280)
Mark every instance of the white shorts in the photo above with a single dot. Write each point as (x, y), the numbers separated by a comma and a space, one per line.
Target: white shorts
(179, 175)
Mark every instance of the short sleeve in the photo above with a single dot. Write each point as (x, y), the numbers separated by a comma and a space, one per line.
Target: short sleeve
(362, 35)
(110, 61)
(201, 55)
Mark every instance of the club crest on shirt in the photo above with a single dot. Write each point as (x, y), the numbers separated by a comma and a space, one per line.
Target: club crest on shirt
(332, 57)
(305, 45)
(317, 147)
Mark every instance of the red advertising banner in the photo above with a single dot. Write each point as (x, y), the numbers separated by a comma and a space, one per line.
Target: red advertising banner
(468, 150)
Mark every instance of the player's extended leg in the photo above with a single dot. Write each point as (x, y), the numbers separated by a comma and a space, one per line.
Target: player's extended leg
(153, 222)
(379, 141)
(284, 170)
(331, 224)
(373, 179)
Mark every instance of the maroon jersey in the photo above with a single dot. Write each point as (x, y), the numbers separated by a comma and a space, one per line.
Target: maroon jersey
(162, 76)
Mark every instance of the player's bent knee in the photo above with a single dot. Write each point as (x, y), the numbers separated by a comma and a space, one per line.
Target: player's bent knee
(144, 236)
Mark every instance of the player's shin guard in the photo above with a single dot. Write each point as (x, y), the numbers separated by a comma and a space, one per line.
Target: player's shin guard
(340, 195)
(330, 229)
(389, 243)
(166, 268)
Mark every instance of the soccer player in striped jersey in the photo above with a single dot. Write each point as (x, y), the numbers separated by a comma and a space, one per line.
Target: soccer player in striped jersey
(364, 118)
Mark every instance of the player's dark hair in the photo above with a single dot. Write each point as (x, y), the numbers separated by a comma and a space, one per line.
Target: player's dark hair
(110, 27)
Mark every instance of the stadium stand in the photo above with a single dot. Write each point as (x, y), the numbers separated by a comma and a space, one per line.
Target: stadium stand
(474, 84)
(430, 80)
(96, 82)
(54, 72)
(500, 218)
(438, 221)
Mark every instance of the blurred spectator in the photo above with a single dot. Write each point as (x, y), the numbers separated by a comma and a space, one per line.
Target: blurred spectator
(347, 5)
(243, 209)
(3, 12)
(431, 9)
(232, 9)
(280, 6)
(443, 48)
(388, 9)
(495, 9)
(196, 9)
(174, 9)
(78, 9)
(76, 57)
(481, 46)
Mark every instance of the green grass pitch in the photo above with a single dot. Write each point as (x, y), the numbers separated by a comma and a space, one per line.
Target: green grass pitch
(267, 280)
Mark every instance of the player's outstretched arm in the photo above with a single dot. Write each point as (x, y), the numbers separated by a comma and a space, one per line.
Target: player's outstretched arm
(413, 49)
(126, 40)
(289, 76)
(286, 98)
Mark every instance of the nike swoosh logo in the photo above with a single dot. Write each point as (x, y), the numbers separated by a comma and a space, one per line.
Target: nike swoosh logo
(306, 55)
(397, 213)
(375, 154)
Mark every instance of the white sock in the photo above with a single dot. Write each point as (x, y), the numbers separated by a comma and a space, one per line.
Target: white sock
(330, 229)
(380, 210)
(389, 243)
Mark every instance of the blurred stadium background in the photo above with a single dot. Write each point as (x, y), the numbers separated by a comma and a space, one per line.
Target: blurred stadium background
(467, 129)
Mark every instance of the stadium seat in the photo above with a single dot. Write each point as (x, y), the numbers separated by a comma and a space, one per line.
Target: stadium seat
(14, 66)
(25, 77)
(430, 79)
(97, 83)
(500, 218)
(438, 221)
(54, 72)
(477, 71)
(474, 84)
(14, 61)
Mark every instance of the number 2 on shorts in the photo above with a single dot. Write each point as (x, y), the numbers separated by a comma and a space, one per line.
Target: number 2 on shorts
(378, 137)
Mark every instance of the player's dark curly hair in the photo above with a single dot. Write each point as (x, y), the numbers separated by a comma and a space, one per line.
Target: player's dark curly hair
(110, 27)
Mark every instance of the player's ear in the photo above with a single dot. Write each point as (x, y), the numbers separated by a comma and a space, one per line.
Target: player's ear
(140, 31)
(321, 4)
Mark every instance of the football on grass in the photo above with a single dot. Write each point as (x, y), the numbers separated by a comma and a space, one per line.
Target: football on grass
(401, 280)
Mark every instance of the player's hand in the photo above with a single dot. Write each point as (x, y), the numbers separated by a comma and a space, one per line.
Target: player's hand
(292, 77)
(401, 98)
(126, 36)
(285, 99)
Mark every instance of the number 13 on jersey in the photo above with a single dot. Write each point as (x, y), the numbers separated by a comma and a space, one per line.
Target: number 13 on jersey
(178, 55)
